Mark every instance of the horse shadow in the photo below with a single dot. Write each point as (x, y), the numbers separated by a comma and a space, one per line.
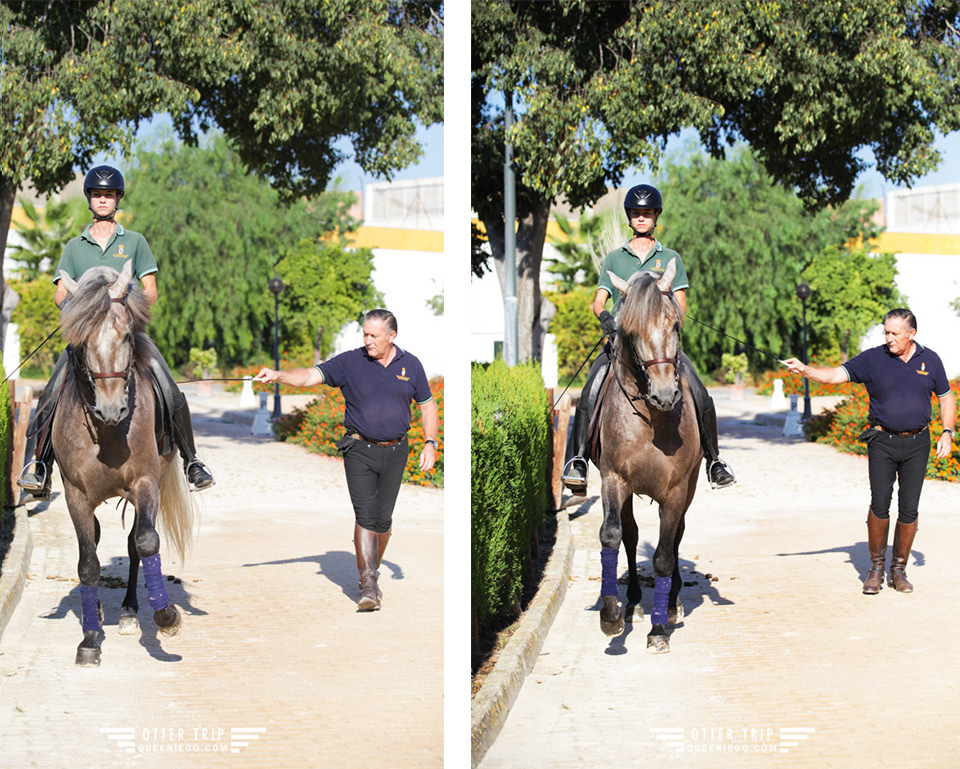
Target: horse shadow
(696, 590)
(858, 556)
(339, 567)
(112, 588)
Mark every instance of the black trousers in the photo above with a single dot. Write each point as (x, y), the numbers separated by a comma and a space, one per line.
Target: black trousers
(374, 474)
(897, 457)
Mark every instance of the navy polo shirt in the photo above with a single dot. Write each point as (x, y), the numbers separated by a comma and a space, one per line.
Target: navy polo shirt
(899, 392)
(377, 397)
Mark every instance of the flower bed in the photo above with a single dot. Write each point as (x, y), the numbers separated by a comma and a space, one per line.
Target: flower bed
(793, 383)
(840, 427)
(319, 425)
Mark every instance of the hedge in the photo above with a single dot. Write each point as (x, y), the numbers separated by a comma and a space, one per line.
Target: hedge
(6, 425)
(509, 454)
(841, 425)
(318, 426)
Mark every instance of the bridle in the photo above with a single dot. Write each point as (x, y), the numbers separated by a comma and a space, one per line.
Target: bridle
(645, 365)
(78, 358)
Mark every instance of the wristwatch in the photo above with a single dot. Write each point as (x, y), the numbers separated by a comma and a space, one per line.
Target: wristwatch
(431, 440)
(949, 430)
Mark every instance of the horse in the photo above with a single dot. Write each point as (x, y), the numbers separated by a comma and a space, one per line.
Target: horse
(649, 444)
(106, 446)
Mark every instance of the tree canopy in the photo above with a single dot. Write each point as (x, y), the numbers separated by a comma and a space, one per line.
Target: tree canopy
(599, 87)
(284, 84)
(217, 233)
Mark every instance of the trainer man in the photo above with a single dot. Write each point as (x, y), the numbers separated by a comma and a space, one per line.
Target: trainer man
(900, 376)
(378, 382)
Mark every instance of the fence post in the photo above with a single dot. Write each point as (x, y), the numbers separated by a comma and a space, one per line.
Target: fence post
(25, 405)
(562, 411)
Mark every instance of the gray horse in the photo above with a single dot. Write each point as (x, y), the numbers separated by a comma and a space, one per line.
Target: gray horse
(105, 442)
(649, 444)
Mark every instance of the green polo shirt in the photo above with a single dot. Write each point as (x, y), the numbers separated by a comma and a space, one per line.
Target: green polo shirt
(623, 262)
(83, 252)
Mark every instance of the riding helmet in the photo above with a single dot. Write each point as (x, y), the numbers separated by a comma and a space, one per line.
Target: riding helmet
(103, 178)
(643, 196)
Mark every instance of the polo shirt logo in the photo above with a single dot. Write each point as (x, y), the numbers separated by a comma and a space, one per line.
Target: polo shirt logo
(121, 249)
(658, 265)
(402, 375)
(923, 370)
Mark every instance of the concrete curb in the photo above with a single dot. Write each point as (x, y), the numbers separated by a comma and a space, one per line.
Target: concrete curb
(490, 706)
(15, 567)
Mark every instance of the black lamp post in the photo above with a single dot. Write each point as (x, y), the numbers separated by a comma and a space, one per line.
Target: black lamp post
(804, 292)
(276, 287)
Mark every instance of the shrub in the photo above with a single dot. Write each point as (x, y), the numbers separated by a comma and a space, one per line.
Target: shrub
(841, 425)
(509, 453)
(36, 317)
(793, 383)
(6, 425)
(319, 425)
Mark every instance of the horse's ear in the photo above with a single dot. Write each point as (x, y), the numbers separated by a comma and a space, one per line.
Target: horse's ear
(618, 283)
(69, 283)
(665, 283)
(119, 288)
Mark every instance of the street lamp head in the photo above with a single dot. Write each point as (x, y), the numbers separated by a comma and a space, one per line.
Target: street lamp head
(275, 285)
(804, 292)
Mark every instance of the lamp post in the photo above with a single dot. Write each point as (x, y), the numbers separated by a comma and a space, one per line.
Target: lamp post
(804, 292)
(276, 287)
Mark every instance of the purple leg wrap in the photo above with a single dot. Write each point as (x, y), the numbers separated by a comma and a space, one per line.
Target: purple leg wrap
(608, 570)
(90, 611)
(661, 598)
(156, 590)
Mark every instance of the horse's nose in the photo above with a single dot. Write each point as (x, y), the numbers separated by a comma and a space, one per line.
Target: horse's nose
(111, 415)
(666, 398)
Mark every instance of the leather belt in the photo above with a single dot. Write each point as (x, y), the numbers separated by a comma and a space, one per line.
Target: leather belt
(905, 433)
(359, 437)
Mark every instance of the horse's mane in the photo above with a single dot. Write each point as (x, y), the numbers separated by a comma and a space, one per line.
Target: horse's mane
(82, 314)
(642, 304)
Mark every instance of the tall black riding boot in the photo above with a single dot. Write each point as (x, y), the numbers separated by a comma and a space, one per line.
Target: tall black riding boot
(37, 474)
(574, 475)
(197, 474)
(718, 472)
(877, 531)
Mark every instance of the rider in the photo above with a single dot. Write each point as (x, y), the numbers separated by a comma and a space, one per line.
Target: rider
(105, 242)
(643, 252)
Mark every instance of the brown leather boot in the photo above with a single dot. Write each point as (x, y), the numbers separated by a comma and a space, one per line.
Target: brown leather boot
(877, 530)
(902, 543)
(366, 543)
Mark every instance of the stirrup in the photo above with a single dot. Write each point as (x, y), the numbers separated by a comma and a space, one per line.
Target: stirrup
(35, 487)
(724, 466)
(575, 483)
(202, 485)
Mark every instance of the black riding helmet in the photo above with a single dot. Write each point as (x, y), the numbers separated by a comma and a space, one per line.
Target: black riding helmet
(103, 178)
(643, 196)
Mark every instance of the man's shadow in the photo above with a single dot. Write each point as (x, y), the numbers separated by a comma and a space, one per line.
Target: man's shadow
(112, 589)
(339, 567)
(858, 556)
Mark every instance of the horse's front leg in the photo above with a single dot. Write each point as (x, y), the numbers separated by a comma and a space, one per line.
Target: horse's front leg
(129, 623)
(675, 606)
(631, 536)
(88, 569)
(666, 573)
(615, 498)
(165, 614)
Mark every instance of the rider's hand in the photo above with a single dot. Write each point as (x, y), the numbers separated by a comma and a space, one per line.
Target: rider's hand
(608, 323)
(266, 375)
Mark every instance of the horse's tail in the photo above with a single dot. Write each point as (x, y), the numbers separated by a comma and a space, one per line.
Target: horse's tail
(179, 514)
(614, 232)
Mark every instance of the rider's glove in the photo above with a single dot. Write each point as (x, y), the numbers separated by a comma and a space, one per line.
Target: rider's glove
(608, 323)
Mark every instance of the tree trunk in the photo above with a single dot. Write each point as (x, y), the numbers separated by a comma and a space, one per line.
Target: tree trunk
(533, 311)
(8, 196)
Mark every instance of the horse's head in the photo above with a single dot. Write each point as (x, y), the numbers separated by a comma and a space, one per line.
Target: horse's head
(100, 319)
(648, 341)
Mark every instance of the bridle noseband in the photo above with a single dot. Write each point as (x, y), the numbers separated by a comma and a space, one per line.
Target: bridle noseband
(80, 364)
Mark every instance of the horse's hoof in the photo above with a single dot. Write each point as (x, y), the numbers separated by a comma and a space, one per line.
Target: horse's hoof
(128, 624)
(657, 644)
(611, 618)
(675, 614)
(633, 612)
(168, 620)
(88, 656)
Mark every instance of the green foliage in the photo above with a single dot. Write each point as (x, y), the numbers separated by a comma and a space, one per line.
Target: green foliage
(735, 366)
(745, 242)
(509, 450)
(6, 441)
(217, 233)
(37, 316)
(325, 286)
(205, 360)
(575, 264)
(47, 234)
(576, 329)
(852, 291)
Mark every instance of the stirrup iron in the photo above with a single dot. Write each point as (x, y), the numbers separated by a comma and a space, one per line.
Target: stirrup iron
(44, 477)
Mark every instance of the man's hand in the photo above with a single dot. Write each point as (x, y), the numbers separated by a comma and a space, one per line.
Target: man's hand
(427, 457)
(795, 366)
(608, 323)
(267, 375)
(944, 445)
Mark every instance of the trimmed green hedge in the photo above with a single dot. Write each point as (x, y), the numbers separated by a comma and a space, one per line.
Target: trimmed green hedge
(6, 426)
(509, 454)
